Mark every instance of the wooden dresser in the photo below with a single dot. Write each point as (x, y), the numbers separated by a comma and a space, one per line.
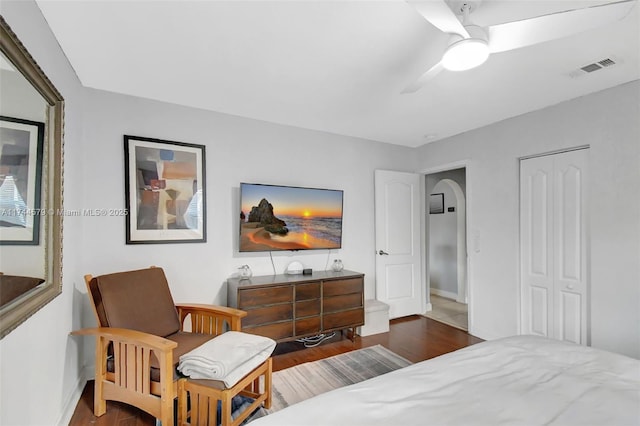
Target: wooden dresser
(287, 307)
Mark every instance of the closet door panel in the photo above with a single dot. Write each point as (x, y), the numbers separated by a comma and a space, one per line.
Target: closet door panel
(570, 276)
(570, 317)
(539, 311)
(536, 233)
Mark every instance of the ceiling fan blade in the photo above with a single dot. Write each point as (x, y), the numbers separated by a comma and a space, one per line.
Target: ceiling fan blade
(513, 35)
(440, 16)
(417, 85)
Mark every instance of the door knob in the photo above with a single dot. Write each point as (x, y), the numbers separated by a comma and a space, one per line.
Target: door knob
(383, 253)
(570, 286)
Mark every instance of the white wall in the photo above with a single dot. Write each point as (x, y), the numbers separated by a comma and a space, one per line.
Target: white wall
(40, 364)
(19, 98)
(608, 122)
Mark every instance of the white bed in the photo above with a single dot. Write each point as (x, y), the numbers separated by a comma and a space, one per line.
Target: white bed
(522, 380)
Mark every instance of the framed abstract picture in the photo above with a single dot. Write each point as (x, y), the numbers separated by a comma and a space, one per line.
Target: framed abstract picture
(165, 191)
(436, 203)
(21, 156)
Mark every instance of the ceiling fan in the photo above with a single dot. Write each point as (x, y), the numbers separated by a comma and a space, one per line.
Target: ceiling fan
(467, 45)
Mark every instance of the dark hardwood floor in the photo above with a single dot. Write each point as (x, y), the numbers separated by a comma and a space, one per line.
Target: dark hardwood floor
(416, 338)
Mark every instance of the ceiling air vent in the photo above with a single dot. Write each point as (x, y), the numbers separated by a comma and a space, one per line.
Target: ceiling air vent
(593, 67)
(606, 62)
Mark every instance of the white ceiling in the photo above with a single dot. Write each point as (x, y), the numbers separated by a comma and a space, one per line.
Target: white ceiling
(334, 66)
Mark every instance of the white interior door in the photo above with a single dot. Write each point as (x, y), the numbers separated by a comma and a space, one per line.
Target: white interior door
(536, 233)
(570, 246)
(397, 218)
(553, 246)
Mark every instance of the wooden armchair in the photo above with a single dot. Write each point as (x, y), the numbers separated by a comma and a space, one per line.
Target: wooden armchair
(140, 339)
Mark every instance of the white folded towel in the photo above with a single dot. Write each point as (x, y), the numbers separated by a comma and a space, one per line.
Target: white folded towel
(227, 357)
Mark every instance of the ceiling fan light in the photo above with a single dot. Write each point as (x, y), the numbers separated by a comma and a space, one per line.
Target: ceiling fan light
(465, 54)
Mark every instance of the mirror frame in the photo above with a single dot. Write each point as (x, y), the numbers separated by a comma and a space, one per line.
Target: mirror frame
(16, 313)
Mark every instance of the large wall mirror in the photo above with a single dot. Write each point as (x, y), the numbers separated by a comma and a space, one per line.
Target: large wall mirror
(31, 139)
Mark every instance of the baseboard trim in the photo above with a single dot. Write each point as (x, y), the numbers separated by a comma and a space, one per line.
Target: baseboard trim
(444, 293)
(74, 398)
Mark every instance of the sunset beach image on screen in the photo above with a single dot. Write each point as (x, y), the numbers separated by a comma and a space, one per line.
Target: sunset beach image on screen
(276, 217)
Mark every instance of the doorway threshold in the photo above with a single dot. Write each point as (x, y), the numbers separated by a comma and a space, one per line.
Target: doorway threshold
(449, 312)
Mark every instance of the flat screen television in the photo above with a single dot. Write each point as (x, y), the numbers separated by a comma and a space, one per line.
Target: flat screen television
(274, 218)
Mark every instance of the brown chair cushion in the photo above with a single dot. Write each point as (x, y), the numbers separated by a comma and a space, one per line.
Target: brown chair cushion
(136, 300)
(12, 286)
(186, 343)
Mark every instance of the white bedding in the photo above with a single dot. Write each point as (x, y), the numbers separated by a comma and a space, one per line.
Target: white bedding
(521, 380)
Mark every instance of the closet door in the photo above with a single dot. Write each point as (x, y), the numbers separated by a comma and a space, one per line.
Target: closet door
(553, 246)
(570, 248)
(536, 241)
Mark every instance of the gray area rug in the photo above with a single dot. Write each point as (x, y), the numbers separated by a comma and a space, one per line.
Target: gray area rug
(303, 381)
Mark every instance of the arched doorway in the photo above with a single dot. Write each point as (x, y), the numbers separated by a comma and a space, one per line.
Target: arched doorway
(447, 251)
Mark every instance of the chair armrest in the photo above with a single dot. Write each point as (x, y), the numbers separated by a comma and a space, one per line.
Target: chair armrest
(211, 319)
(224, 310)
(129, 336)
(132, 352)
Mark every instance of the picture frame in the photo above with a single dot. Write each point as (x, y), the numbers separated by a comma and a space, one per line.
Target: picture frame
(21, 159)
(436, 203)
(165, 191)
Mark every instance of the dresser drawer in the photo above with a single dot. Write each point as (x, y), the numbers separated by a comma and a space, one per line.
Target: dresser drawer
(352, 318)
(307, 308)
(308, 326)
(308, 291)
(341, 303)
(251, 297)
(339, 287)
(276, 331)
(273, 313)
